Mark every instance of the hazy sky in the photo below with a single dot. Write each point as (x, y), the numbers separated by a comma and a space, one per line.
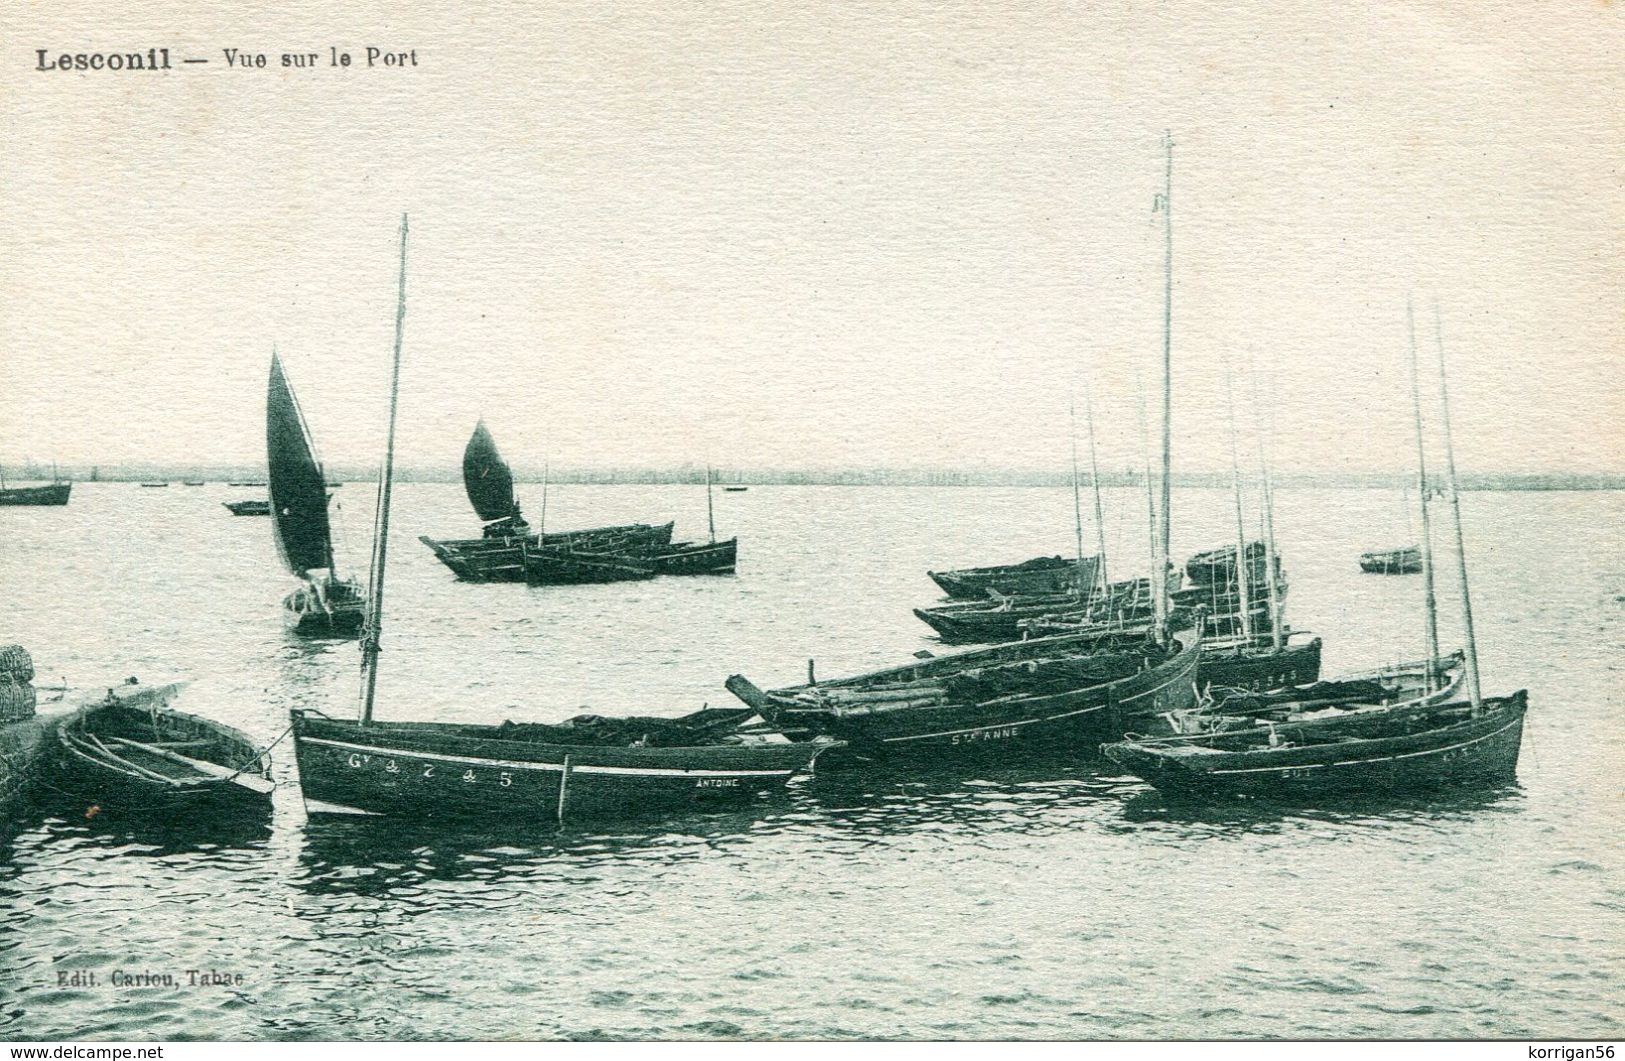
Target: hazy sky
(804, 234)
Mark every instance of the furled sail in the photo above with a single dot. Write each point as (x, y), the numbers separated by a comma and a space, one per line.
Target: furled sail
(487, 478)
(297, 484)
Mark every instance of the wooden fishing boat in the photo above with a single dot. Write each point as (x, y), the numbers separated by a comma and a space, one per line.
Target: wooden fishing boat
(695, 558)
(530, 772)
(52, 494)
(1380, 752)
(514, 772)
(248, 508)
(1040, 575)
(499, 554)
(133, 754)
(1405, 561)
(1031, 697)
(1219, 565)
(326, 605)
(997, 619)
(1397, 685)
(503, 559)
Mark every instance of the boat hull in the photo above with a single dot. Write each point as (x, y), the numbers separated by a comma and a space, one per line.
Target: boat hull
(697, 558)
(343, 615)
(1472, 752)
(1262, 667)
(1398, 562)
(1043, 574)
(55, 494)
(568, 567)
(498, 558)
(1073, 722)
(431, 771)
(86, 774)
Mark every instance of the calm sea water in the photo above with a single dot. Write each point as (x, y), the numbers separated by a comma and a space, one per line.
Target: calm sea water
(1067, 902)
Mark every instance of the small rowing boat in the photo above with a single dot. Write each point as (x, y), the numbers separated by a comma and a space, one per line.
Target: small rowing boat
(131, 753)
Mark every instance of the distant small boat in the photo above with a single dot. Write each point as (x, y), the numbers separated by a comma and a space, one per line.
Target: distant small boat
(1406, 561)
(256, 482)
(193, 482)
(734, 489)
(154, 486)
(248, 508)
(131, 753)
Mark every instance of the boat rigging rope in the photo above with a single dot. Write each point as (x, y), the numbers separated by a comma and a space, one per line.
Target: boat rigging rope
(263, 753)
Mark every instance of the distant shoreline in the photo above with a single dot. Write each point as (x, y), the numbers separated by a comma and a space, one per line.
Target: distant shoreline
(220, 474)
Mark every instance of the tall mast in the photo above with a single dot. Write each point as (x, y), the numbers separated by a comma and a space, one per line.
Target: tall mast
(1150, 492)
(1430, 605)
(1272, 561)
(1473, 688)
(710, 510)
(1077, 502)
(541, 523)
(1159, 582)
(1094, 478)
(370, 637)
(1243, 597)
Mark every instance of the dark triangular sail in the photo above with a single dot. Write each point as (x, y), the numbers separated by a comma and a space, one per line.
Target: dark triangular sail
(297, 484)
(487, 478)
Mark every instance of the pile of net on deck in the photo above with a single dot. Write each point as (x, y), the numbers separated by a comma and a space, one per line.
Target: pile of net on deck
(17, 696)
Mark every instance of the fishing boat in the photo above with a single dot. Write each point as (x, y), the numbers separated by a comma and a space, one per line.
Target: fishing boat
(518, 773)
(1218, 566)
(500, 553)
(530, 772)
(1404, 561)
(1395, 685)
(54, 493)
(326, 605)
(1383, 751)
(734, 489)
(193, 482)
(503, 559)
(154, 486)
(131, 753)
(1040, 575)
(1040, 696)
(695, 558)
(998, 618)
(248, 482)
(248, 508)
